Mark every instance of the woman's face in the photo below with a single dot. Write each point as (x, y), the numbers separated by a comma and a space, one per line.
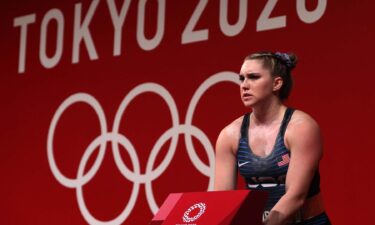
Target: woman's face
(257, 83)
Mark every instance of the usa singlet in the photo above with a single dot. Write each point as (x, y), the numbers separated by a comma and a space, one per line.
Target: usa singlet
(269, 173)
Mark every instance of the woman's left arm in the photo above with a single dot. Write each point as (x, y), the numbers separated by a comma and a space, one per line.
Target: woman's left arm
(304, 140)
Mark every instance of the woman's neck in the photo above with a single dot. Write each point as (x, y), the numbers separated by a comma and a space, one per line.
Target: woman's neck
(268, 112)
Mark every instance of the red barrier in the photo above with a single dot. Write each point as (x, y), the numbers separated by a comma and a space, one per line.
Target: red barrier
(212, 208)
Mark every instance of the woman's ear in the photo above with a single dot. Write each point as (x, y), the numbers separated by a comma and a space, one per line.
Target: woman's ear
(277, 83)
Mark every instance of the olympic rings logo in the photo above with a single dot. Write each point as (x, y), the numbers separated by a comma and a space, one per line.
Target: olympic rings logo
(116, 139)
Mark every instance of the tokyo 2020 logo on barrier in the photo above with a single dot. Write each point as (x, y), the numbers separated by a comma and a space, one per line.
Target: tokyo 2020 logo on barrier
(116, 139)
(188, 219)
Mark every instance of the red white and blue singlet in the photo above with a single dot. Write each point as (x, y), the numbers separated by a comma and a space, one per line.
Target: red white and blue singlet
(268, 173)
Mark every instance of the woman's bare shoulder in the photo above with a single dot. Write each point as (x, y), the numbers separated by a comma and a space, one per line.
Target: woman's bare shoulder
(230, 135)
(302, 119)
(233, 128)
(302, 128)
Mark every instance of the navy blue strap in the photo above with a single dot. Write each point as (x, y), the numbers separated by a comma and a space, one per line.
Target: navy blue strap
(284, 124)
(245, 125)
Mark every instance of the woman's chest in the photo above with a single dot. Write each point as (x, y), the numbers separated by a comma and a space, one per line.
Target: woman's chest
(274, 164)
(262, 141)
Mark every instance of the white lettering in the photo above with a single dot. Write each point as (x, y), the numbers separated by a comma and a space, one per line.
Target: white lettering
(312, 16)
(144, 43)
(265, 22)
(44, 59)
(190, 35)
(23, 22)
(119, 12)
(118, 22)
(226, 28)
(81, 31)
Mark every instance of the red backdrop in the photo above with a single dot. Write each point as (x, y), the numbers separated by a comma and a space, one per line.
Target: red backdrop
(139, 68)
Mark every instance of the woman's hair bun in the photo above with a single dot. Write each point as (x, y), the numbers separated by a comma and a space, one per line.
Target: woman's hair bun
(289, 59)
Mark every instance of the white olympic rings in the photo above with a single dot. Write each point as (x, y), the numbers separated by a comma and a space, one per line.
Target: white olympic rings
(116, 138)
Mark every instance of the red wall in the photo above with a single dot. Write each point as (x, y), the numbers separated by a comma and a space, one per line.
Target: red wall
(333, 83)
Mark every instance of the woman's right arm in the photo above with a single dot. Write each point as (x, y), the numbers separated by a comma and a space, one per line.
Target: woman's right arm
(225, 161)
